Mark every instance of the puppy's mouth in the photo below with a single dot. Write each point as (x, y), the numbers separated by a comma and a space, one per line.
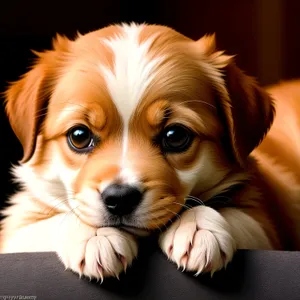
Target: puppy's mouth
(129, 227)
(135, 230)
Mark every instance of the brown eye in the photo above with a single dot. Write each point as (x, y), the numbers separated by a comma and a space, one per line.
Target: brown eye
(176, 138)
(80, 139)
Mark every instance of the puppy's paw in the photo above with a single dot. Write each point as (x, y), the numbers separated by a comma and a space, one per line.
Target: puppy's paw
(200, 241)
(106, 254)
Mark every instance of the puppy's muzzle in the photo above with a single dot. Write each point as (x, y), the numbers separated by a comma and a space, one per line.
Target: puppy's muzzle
(121, 199)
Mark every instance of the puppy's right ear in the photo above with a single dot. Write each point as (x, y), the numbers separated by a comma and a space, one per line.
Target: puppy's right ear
(27, 98)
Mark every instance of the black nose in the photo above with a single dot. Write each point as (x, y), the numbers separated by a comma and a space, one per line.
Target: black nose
(121, 199)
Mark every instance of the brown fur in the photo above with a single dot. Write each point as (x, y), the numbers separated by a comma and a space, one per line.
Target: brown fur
(197, 86)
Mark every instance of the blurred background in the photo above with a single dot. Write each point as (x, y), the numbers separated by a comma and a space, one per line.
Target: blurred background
(265, 35)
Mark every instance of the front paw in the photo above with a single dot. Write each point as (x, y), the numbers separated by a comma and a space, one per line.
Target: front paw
(106, 254)
(199, 241)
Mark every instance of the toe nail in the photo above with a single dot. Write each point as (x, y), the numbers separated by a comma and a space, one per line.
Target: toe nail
(100, 270)
(99, 260)
(124, 262)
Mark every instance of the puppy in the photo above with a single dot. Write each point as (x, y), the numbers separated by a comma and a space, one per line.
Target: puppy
(123, 127)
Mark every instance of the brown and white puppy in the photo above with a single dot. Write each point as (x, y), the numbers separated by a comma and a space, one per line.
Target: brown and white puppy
(121, 126)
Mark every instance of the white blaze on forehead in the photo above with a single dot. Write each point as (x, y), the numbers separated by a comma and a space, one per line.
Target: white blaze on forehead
(133, 71)
(132, 74)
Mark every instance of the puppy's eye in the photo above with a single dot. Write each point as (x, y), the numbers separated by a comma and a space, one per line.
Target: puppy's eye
(81, 139)
(176, 138)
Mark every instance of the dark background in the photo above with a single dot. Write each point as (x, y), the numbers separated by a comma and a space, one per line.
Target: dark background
(265, 34)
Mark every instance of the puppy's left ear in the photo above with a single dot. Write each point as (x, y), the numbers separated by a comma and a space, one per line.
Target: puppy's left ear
(246, 108)
(27, 98)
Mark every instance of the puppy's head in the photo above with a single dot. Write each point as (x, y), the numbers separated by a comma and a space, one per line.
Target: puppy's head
(125, 122)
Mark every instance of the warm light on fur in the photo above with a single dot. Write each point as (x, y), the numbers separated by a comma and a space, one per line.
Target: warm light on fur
(126, 84)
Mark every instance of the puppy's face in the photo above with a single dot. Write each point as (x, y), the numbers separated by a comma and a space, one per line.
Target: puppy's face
(128, 121)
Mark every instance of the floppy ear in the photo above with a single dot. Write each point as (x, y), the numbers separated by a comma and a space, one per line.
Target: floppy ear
(27, 98)
(246, 108)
